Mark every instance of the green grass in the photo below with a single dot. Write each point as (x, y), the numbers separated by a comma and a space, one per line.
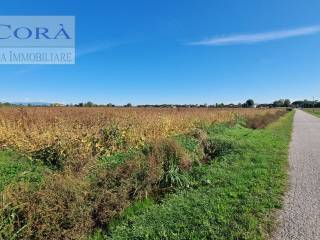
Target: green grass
(191, 145)
(315, 111)
(236, 196)
(117, 159)
(14, 168)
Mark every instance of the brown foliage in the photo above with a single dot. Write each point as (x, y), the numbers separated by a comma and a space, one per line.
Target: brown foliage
(166, 152)
(143, 176)
(84, 132)
(57, 210)
(261, 121)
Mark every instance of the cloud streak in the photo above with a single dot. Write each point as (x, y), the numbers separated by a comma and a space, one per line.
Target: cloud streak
(258, 37)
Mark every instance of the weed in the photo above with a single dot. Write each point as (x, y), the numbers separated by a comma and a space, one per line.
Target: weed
(173, 160)
(55, 210)
(15, 168)
(235, 200)
(53, 156)
(217, 147)
(261, 121)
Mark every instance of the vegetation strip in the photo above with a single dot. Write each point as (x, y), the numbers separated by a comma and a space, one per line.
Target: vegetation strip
(314, 111)
(16, 168)
(213, 175)
(237, 197)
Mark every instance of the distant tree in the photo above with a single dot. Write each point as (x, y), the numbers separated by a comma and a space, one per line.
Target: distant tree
(128, 105)
(7, 104)
(89, 104)
(249, 103)
(203, 105)
(220, 105)
(286, 103)
(279, 103)
(110, 105)
(306, 104)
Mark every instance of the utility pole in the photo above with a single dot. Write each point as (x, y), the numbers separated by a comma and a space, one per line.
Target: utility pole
(313, 104)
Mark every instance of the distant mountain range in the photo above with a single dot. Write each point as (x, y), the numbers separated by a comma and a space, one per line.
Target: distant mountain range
(31, 103)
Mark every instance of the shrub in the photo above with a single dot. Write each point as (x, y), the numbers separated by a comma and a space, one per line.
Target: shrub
(200, 135)
(52, 156)
(173, 159)
(113, 138)
(217, 147)
(56, 210)
(261, 121)
(108, 204)
(118, 182)
(109, 192)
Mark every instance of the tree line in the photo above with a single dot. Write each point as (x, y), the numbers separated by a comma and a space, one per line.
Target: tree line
(248, 104)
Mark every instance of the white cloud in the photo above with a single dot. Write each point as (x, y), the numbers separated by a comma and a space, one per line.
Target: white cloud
(258, 37)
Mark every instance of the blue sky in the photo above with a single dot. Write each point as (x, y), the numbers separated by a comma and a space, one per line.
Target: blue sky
(175, 51)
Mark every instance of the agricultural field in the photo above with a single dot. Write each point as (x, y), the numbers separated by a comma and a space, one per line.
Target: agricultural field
(313, 111)
(141, 173)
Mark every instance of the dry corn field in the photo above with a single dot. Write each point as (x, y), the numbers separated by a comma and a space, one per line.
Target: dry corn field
(84, 132)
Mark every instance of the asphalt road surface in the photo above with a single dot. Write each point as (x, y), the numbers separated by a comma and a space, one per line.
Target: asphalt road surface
(300, 216)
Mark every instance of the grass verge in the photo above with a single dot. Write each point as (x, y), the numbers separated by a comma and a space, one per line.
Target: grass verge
(238, 194)
(315, 112)
(15, 168)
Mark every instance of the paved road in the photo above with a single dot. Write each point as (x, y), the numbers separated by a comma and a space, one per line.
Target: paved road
(300, 217)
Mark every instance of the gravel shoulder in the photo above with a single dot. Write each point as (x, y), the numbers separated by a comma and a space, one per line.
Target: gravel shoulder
(300, 216)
